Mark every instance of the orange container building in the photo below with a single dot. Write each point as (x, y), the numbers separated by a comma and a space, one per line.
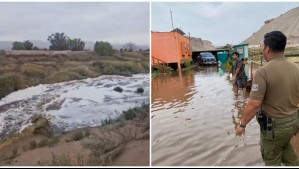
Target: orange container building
(170, 47)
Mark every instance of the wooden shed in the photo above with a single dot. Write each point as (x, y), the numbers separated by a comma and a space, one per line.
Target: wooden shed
(170, 48)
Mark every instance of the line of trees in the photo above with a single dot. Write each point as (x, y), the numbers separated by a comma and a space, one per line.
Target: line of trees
(60, 41)
(26, 45)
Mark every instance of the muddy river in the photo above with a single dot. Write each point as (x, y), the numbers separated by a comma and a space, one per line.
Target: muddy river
(72, 105)
(194, 116)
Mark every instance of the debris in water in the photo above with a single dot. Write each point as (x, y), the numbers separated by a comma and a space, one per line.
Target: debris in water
(187, 119)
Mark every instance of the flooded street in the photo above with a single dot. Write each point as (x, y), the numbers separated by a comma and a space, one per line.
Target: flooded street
(194, 116)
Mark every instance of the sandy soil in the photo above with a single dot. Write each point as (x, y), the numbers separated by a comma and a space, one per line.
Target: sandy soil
(136, 153)
(69, 152)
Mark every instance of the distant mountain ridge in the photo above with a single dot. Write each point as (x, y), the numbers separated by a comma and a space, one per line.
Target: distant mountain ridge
(198, 44)
(7, 45)
(288, 23)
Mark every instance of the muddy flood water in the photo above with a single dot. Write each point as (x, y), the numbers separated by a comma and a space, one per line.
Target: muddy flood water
(194, 116)
(74, 104)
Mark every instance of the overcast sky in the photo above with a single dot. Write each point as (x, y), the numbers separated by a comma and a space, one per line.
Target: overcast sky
(114, 22)
(221, 23)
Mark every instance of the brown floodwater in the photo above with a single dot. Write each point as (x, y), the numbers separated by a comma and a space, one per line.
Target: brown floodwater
(194, 116)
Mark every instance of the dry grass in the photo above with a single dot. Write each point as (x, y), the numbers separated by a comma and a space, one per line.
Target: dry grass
(33, 68)
(134, 56)
(292, 50)
(294, 59)
(100, 145)
(257, 53)
(8, 68)
(10, 83)
(57, 160)
(131, 125)
(113, 67)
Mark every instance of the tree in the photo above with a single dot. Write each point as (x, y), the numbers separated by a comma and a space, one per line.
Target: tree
(76, 44)
(228, 46)
(59, 41)
(130, 46)
(28, 45)
(35, 48)
(103, 48)
(18, 46)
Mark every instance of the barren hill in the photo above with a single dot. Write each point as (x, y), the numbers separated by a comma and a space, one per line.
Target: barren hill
(199, 44)
(288, 23)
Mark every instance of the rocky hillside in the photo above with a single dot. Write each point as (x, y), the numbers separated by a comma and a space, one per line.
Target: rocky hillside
(288, 23)
(199, 44)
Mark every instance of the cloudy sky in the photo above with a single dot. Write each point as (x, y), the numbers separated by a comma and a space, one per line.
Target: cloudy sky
(114, 22)
(221, 23)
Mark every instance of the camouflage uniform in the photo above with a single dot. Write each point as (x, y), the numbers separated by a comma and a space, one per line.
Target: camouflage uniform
(277, 85)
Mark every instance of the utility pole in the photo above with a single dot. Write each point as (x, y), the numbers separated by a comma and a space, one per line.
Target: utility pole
(176, 44)
(189, 51)
(171, 19)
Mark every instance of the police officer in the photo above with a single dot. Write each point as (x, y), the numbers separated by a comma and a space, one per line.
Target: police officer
(275, 91)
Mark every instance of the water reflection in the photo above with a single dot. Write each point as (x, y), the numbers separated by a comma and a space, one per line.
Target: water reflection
(174, 90)
(194, 116)
(239, 107)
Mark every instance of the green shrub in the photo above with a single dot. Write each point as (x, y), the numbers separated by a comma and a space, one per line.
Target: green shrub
(48, 142)
(103, 48)
(130, 114)
(163, 69)
(78, 135)
(142, 112)
(230, 62)
(187, 63)
(32, 145)
(60, 76)
(119, 68)
(146, 66)
(14, 152)
(33, 70)
(8, 84)
(83, 72)
(62, 160)
(43, 143)
(42, 127)
(107, 121)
